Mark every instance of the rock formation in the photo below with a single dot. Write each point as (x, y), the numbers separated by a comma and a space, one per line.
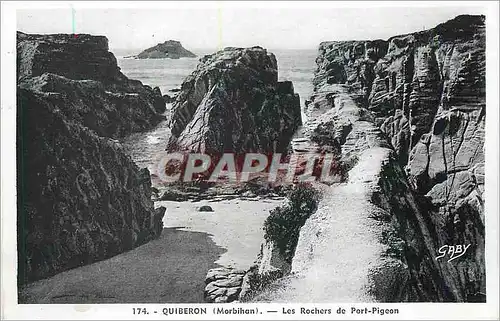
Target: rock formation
(223, 285)
(80, 197)
(169, 49)
(407, 116)
(88, 81)
(233, 102)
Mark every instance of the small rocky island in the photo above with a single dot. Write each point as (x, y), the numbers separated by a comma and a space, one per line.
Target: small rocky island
(169, 49)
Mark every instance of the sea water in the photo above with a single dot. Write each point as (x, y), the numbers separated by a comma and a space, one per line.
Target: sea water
(168, 74)
(295, 65)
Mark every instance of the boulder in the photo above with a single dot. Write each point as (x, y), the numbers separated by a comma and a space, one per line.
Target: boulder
(168, 99)
(406, 118)
(205, 208)
(159, 103)
(223, 285)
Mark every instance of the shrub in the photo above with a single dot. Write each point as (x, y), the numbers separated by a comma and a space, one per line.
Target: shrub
(284, 222)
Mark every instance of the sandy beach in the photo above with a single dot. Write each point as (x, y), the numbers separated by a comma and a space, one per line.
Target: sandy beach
(236, 225)
(171, 269)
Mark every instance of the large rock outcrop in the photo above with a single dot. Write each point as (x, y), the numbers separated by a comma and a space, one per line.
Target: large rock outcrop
(169, 49)
(233, 102)
(408, 115)
(82, 70)
(80, 197)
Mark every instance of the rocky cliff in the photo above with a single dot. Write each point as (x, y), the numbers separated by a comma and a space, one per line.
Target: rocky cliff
(80, 197)
(82, 70)
(233, 102)
(169, 49)
(411, 113)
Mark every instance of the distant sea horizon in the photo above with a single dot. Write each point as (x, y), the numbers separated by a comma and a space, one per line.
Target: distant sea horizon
(200, 52)
(295, 65)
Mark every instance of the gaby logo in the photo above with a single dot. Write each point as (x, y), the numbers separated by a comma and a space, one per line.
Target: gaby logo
(453, 251)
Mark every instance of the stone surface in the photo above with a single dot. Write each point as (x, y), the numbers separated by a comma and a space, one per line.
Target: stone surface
(73, 56)
(270, 266)
(81, 199)
(108, 113)
(169, 49)
(428, 97)
(86, 83)
(406, 117)
(223, 285)
(233, 102)
(349, 62)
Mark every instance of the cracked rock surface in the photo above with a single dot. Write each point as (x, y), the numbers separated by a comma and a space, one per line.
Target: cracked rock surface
(81, 198)
(233, 102)
(406, 118)
(426, 92)
(223, 285)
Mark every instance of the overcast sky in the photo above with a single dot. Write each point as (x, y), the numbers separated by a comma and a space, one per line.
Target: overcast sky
(223, 25)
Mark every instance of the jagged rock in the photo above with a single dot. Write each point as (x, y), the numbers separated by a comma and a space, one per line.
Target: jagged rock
(270, 266)
(81, 199)
(87, 83)
(412, 75)
(349, 62)
(229, 282)
(158, 219)
(271, 260)
(249, 284)
(223, 285)
(159, 103)
(168, 99)
(205, 208)
(232, 294)
(234, 102)
(215, 274)
(169, 49)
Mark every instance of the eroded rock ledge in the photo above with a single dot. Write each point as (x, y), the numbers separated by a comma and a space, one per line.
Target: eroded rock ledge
(80, 197)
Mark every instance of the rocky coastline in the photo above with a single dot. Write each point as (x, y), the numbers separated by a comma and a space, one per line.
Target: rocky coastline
(234, 102)
(408, 115)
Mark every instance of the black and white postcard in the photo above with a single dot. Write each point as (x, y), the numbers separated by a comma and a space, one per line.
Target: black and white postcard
(249, 160)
